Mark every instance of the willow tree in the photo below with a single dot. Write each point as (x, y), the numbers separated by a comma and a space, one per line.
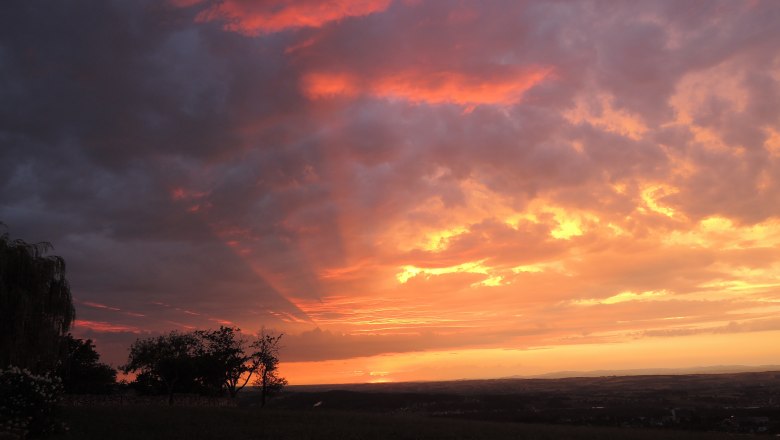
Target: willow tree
(36, 308)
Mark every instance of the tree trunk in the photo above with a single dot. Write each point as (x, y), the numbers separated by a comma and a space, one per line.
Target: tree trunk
(264, 389)
(170, 392)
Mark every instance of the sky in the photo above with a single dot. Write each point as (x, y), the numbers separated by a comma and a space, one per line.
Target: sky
(407, 189)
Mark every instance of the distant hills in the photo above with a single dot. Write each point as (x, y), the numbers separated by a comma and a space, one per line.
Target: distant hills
(713, 369)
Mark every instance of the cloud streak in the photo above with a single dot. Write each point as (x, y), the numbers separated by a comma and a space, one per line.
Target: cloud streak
(253, 18)
(504, 88)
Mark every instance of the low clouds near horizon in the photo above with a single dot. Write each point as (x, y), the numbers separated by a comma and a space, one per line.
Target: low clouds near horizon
(398, 176)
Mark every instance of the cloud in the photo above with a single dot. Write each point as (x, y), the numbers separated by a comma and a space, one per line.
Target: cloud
(253, 18)
(505, 88)
(399, 174)
(623, 297)
(104, 327)
(323, 345)
(757, 325)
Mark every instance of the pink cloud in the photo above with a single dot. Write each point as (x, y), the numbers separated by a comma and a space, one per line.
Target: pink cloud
(442, 87)
(105, 327)
(255, 18)
(99, 306)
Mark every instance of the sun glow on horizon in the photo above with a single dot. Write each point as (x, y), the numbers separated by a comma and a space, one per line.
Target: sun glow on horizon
(689, 351)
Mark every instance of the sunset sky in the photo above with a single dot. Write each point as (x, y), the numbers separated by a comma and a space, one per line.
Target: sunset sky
(408, 189)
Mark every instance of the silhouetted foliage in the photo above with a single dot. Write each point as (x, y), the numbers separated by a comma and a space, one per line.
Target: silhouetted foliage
(36, 308)
(223, 362)
(81, 370)
(211, 362)
(146, 383)
(169, 360)
(267, 354)
(29, 404)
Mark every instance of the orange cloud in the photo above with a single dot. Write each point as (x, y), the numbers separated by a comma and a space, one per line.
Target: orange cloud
(255, 18)
(99, 306)
(106, 327)
(329, 85)
(459, 88)
(439, 87)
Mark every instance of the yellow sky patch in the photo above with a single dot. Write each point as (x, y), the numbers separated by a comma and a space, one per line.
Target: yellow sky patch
(439, 240)
(408, 272)
(725, 234)
(567, 228)
(651, 195)
(492, 281)
(649, 295)
(739, 285)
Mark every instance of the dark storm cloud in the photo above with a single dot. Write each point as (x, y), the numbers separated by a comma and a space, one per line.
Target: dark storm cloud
(108, 108)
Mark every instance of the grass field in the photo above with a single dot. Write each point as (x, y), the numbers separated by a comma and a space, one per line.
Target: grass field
(201, 423)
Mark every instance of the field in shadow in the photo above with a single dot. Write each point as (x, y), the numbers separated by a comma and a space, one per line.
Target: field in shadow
(704, 406)
(736, 402)
(198, 423)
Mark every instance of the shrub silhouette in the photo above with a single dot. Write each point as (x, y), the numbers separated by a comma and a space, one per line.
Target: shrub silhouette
(81, 370)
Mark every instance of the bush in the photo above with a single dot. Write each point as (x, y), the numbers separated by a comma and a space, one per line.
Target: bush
(28, 403)
(81, 370)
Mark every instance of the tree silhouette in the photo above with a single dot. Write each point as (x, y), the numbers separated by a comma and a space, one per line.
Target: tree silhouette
(206, 361)
(36, 308)
(223, 361)
(169, 359)
(267, 355)
(81, 370)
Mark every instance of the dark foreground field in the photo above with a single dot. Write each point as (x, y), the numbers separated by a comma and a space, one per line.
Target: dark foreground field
(736, 403)
(200, 423)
